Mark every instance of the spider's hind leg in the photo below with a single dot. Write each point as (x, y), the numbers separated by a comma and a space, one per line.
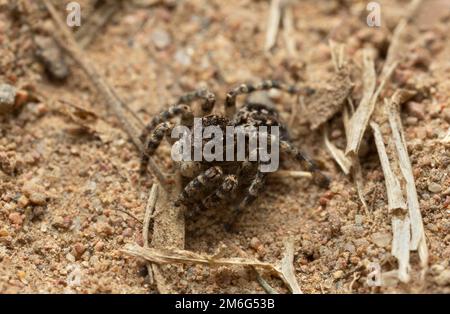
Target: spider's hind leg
(318, 177)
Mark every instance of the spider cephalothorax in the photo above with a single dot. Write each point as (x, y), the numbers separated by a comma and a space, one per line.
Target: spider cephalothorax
(224, 182)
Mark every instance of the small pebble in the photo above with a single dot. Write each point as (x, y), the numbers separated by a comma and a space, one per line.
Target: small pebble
(15, 218)
(23, 201)
(60, 223)
(7, 98)
(79, 249)
(338, 274)
(336, 133)
(99, 246)
(434, 187)
(35, 193)
(444, 278)
(128, 232)
(4, 233)
(436, 269)
(381, 239)
(70, 257)
(21, 98)
(446, 114)
(359, 219)
(104, 229)
(160, 38)
(415, 109)
(182, 57)
(255, 243)
(412, 120)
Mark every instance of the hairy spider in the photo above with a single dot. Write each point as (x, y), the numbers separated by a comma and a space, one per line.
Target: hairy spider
(216, 183)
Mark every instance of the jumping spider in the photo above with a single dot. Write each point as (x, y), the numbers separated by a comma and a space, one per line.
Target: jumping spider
(224, 183)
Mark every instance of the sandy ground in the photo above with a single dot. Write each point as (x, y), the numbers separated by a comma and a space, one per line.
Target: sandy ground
(64, 193)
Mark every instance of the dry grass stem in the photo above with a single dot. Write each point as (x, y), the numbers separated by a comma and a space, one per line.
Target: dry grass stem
(290, 174)
(149, 211)
(172, 256)
(264, 284)
(446, 139)
(338, 155)
(393, 189)
(337, 55)
(417, 230)
(359, 181)
(400, 246)
(287, 268)
(288, 30)
(358, 122)
(273, 24)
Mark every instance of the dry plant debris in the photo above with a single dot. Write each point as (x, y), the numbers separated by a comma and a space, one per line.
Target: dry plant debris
(161, 256)
(273, 24)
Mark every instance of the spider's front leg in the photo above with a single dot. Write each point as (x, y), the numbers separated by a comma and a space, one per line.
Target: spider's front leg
(200, 186)
(223, 194)
(230, 100)
(182, 110)
(208, 97)
(154, 140)
(252, 192)
(319, 178)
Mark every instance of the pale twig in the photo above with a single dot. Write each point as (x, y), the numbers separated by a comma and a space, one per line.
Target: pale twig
(171, 255)
(393, 189)
(263, 283)
(288, 30)
(290, 174)
(400, 246)
(407, 231)
(358, 177)
(287, 268)
(338, 155)
(273, 24)
(337, 55)
(359, 120)
(129, 214)
(395, 47)
(149, 211)
(145, 4)
(417, 230)
(356, 276)
(351, 126)
(446, 138)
